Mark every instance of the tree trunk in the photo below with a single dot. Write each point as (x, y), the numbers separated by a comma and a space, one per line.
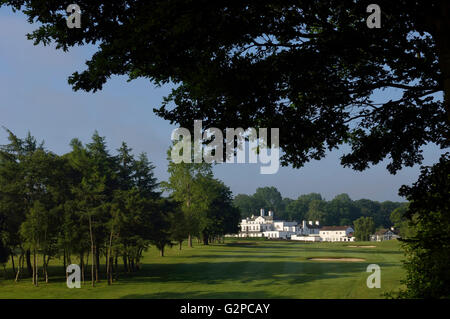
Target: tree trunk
(43, 266)
(35, 269)
(82, 267)
(46, 268)
(109, 258)
(97, 263)
(29, 266)
(19, 267)
(125, 263)
(116, 266)
(92, 251)
(64, 263)
(181, 243)
(189, 241)
(205, 239)
(161, 251)
(12, 262)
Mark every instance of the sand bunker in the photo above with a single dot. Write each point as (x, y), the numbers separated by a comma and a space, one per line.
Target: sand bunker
(337, 259)
(362, 246)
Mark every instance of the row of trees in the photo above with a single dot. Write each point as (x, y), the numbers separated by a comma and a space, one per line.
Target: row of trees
(341, 210)
(88, 204)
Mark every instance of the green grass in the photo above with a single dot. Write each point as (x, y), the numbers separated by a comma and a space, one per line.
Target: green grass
(237, 269)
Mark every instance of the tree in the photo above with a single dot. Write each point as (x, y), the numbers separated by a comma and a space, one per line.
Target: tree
(271, 199)
(20, 185)
(428, 250)
(33, 230)
(341, 210)
(179, 229)
(297, 209)
(364, 227)
(309, 67)
(401, 222)
(93, 193)
(161, 214)
(143, 177)
(220, 216)
(317, 211)
(248, 204)
(184, 187)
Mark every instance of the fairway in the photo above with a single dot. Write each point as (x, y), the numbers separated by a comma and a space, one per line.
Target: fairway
(238, 269)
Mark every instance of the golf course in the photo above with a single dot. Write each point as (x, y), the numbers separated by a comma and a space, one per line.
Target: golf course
(238, 268)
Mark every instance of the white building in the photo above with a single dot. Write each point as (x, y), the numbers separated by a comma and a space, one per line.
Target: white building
(384, 234)
(336, 233)
(266, 226)
(256, 226)
(314, 237)
(307, 232)
(310, 228)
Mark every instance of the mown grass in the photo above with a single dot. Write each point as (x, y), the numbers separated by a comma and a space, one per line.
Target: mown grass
(237, 269)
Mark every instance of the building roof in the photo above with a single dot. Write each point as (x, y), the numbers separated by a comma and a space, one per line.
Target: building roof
(384, 231)
(312, 226)
(334, 228)
(265, 217)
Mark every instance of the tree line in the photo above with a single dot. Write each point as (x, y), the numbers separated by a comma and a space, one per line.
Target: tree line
(341, 210)
(89, 205)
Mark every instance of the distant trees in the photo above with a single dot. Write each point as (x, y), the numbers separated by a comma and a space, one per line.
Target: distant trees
(248, 204)
(270, 197)
(364, 227)
(88, 204)
(264, 197)
(341, 210)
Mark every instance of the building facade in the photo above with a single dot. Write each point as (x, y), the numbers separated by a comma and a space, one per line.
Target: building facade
(336, 233)
(385, 234)
(265, 226)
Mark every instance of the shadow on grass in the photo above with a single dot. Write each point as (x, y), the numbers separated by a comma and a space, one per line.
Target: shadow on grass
(250, 252)
(203, 295)
(239, 272)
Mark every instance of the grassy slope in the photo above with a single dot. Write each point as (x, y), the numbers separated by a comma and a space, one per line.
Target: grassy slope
(259, 269)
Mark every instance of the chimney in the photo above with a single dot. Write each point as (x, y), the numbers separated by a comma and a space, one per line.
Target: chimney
(317, 223)
(262, 211)
(304, 224)
(310, 222)
(270, 213)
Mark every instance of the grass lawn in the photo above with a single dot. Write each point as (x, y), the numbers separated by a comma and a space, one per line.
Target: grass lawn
(237, 269)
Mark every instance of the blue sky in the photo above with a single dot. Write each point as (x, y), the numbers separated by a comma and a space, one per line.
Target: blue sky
(35, 96)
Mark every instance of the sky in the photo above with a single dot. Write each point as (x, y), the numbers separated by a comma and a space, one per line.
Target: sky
(35, 97)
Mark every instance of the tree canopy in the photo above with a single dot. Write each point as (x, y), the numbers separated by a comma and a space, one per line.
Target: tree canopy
(310, 68)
